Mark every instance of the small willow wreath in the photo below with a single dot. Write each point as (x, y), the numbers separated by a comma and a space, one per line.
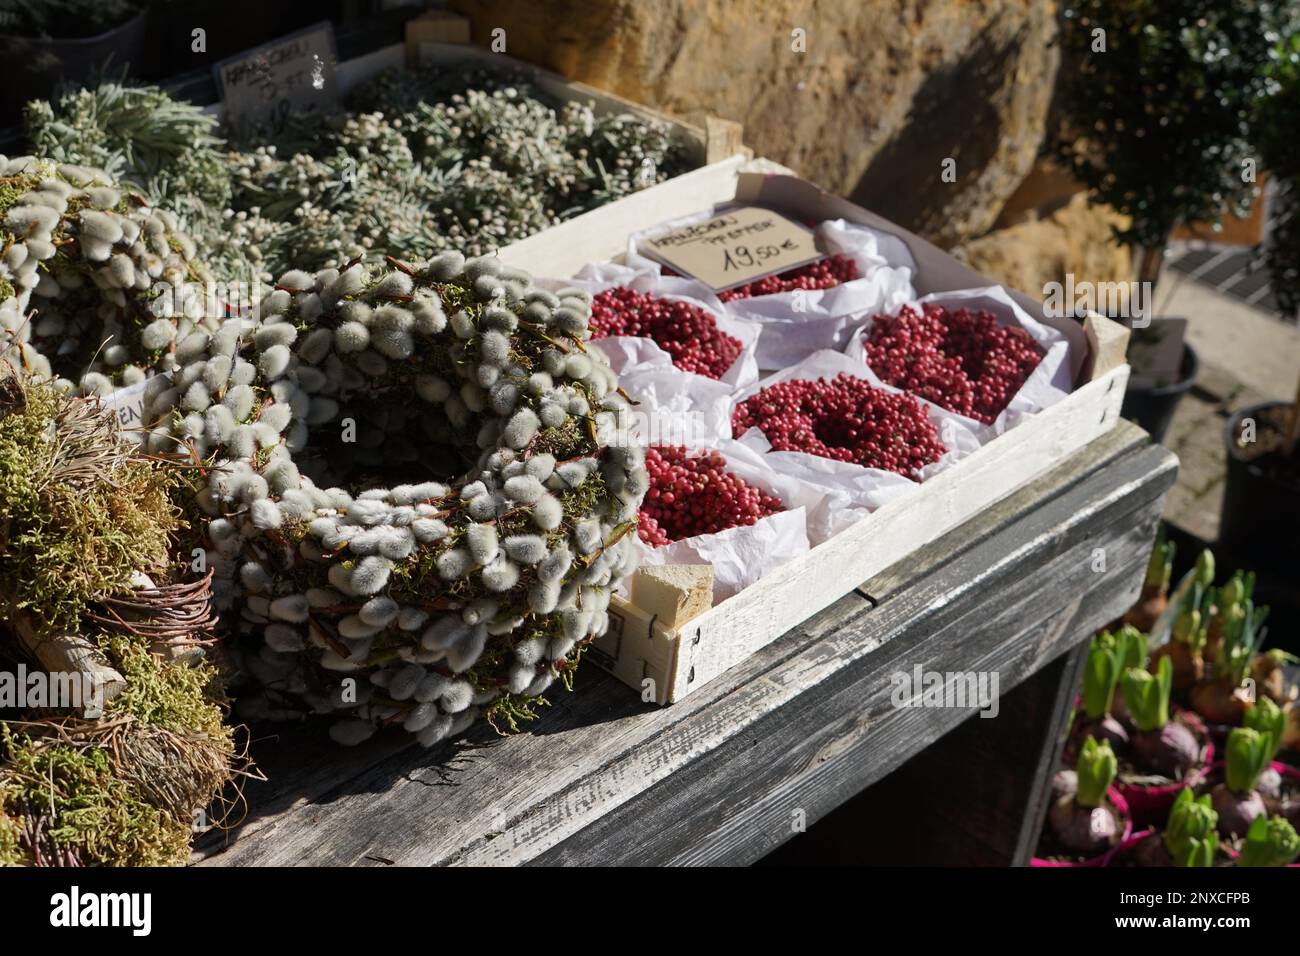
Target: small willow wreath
(420, 494)
(116, 280)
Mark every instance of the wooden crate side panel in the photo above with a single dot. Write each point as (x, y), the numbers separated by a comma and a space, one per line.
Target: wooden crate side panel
(637, 648)
(435, 26)
(763, 612)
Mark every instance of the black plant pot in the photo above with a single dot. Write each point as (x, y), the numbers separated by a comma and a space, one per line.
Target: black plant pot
(1153, 408)
(34, 66)
(1261, 506)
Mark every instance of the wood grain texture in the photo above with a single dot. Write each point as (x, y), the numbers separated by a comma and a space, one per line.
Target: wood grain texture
(959, 801)
(1124, 439)
(803, 723)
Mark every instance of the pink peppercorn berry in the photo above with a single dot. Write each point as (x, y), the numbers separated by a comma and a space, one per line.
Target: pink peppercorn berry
(686, 332)
(693, 493)
(961, 360)
(825, 273)
(845, 419)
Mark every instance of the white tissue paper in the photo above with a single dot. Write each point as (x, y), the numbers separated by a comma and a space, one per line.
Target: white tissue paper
(1047, 384)
(796, 324)
(851, 491)
(741, 556)
(627, 353)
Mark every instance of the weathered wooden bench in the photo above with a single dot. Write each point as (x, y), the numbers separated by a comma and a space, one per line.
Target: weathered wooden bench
(779, 742)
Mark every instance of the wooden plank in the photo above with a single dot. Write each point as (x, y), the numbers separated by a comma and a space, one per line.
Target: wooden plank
(434, 26)
(723, 139)
(1056, 729)
(956, 803)
(1107, 345)
(509, 800)
(489, 782)
(842, 733)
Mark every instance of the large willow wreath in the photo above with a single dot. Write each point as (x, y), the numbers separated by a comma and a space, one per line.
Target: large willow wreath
(420, 492)
(113, 281)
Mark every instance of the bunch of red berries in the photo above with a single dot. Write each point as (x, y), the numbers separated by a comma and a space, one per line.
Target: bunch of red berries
(845, 419)
(822, 274)
(963, 361)
(695, 494)
(686, 332)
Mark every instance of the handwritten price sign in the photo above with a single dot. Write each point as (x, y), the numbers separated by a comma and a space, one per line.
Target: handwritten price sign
(734, 247)
(263, 86)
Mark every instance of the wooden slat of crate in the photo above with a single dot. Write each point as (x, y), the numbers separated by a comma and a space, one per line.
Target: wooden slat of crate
(802, 724)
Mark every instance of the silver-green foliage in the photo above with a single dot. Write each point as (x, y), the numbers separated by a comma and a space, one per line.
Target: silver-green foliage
(424, 164)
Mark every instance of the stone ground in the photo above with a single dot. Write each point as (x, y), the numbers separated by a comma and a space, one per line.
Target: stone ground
(1247, 355)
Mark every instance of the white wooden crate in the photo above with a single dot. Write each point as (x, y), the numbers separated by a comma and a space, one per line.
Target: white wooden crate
(652, 643)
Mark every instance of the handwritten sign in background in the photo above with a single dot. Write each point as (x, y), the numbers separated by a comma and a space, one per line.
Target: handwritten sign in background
(734, 247)
(294, 74)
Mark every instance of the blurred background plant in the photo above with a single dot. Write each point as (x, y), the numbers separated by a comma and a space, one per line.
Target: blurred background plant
(426, 163)
(64, 19)
(1160, 115)
(1276, 129)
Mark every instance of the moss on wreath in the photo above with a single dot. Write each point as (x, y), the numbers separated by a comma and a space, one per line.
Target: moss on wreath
(92, 810)
(80, 512)
(10, 853)
(79, 517)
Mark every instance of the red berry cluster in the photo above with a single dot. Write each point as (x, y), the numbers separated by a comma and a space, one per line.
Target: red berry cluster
(822, 274)
(692, 495)
(962, 361)
(845, 419)
(686, 332)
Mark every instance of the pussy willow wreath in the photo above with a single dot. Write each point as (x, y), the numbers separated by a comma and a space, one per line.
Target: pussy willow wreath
(113, 281)
(91, 584)
(419, 490)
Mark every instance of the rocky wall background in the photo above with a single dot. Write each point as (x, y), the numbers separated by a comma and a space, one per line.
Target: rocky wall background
(884, 91)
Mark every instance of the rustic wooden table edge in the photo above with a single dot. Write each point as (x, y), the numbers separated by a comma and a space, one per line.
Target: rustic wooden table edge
(776, 743)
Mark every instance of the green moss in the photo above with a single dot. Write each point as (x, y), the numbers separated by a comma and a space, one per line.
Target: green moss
(179, 698)
(10, 853)
(95, 811)
(81, 513)
(13, 188)
(512, 710)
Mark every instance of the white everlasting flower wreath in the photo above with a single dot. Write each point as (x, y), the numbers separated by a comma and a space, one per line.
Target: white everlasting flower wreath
(105, 272)
(421, 493)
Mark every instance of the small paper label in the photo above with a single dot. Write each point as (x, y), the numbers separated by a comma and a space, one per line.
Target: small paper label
(264, 86)
(734, 247)
(128, 405)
